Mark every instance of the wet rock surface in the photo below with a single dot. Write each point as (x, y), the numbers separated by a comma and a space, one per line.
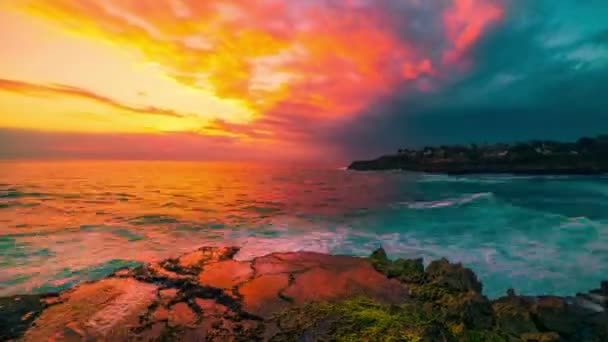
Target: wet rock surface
(17, 313)
(206, 295)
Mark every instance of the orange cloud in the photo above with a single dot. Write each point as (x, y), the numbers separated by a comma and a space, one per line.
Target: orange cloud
(64, 90)
(333, 58)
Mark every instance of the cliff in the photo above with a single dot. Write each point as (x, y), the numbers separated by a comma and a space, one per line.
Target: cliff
(587, 156)
(208, 296)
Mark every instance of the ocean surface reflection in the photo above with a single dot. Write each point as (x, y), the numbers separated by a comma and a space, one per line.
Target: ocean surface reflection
(66, 222)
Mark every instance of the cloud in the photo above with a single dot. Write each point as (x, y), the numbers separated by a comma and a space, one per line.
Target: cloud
(313, 73)
(32, 89)
(519, 88)
(30, 144)
(333, 58)
(589, 54)
(465, 21)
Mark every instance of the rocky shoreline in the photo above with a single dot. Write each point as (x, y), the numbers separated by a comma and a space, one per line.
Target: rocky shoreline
(206, 295)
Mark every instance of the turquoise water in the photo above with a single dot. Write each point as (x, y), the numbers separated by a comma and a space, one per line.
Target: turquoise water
(62, 223)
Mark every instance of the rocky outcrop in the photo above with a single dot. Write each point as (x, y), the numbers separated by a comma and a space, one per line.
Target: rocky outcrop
(18, 312)
(208, 296)
(455, 293)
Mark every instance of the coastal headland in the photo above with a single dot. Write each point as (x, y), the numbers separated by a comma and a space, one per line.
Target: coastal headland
(586, 156)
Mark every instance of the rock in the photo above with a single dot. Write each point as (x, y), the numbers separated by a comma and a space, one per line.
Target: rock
(342, 280)
(597, 326)
(435, 332)
(274, 264)
(312, 259)
(181, 315)
(552, 314)
(225, 274)
(357, 319)
(210, 308)
(160, 314)
(262, 296)
(304, 296)
(155, 271)
(406, 270)
(540, 337)
(17, 314)
(379, 257)
(167, 295)
(106, 309)
(206, 255)
(604, 287)
(513, 316)
(152, 333)
(473, 309)
(453, 276)
(122, 273)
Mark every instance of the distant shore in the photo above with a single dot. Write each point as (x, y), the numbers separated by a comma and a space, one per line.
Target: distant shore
(302, 296)
(587, 156)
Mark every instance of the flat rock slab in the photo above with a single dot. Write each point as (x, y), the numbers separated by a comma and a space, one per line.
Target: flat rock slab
(204, 295)
(262, 295)
(340, 282)
(226, 274)
(109, 307)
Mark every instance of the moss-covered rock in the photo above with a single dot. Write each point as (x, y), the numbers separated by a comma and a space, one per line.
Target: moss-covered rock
(513, 316)
(361, 319)
(453, 276)
(485, 336)
(540, 337)
(454, 293)
(552, 314)
(406, 270)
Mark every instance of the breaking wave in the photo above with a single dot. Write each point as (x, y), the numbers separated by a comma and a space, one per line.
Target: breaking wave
(452, 202)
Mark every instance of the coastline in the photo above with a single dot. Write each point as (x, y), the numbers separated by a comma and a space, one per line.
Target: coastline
(208, 295)
(586, 156)
(396, 164)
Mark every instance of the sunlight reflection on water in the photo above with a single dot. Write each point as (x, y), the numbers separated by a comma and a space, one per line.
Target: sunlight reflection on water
(66, 222)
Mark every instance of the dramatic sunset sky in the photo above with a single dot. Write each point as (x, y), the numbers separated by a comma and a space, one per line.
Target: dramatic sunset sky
(295, 79)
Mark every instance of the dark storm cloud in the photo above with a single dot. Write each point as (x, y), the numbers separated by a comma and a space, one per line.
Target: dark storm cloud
(542, 73)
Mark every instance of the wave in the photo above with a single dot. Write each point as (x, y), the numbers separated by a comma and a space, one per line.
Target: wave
(530, 262)
(495, 178)
(452, 202)
(13, 193)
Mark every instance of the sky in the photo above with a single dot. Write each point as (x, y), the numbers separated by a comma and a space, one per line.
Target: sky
(295, 80)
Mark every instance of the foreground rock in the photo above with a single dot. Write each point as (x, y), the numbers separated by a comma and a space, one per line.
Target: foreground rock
(208, 296)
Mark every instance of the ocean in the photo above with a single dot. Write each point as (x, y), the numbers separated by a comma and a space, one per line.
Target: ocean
(62, 223)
